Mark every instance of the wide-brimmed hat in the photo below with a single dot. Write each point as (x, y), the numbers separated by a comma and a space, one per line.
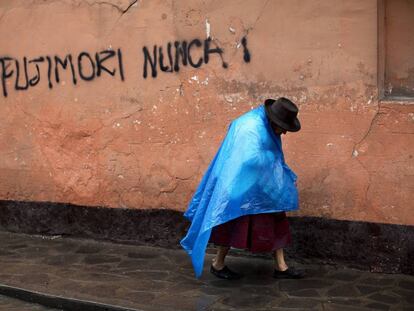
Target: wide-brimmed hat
(283, 113)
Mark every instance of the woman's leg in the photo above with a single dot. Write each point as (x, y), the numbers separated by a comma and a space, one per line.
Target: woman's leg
(282, 271)
(279, 259)
(218, 261)
(219, 269)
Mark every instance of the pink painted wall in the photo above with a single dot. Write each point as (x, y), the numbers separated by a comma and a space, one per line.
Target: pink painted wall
(129, 141)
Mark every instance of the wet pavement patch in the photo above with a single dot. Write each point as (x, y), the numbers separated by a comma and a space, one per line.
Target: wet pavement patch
(290, 285)
(159, 279)
(343, 291)
(383, 298)
(96, 259)
(378, 306)
(311, 293)
(12, 304)
(299, 303)
(246, 301)
(408, 285)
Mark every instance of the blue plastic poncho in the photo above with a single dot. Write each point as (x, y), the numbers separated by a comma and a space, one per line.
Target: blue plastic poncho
(248, 175)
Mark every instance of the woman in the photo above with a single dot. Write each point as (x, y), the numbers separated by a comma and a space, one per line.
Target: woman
(242, 199)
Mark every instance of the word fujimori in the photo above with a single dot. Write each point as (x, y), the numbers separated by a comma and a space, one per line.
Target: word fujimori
(169, 58)
(27, 72)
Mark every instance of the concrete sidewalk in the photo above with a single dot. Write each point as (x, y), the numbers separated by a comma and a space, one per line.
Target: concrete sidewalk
(11, 304)
(148, 278)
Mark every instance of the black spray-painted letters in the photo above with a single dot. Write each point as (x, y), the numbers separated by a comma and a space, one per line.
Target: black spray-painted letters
(28, 72)
(87, 67)
(181, 54)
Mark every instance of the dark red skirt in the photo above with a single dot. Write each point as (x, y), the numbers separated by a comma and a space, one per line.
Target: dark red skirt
(256, 233)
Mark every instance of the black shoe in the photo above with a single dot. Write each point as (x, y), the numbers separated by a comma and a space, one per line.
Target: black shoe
(290, 273)
(225, 273)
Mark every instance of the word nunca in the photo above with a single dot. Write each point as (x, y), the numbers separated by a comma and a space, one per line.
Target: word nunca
(169, 58)
(84, 66)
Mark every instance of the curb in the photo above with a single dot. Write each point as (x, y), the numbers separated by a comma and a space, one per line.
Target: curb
(58, 302)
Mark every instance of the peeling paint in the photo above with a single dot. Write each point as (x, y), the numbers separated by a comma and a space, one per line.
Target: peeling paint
(208, 29)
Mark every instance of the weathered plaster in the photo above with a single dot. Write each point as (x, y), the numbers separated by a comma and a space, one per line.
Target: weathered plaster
(145, 143)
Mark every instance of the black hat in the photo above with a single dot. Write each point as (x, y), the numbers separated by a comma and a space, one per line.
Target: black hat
(283, 113)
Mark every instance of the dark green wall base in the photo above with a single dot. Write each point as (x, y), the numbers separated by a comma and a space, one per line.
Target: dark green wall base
(373, 246)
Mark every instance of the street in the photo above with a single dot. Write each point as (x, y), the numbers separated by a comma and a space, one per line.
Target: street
(151, 278)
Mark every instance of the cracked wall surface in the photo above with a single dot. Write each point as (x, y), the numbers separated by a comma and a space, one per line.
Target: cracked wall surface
(145, 142)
